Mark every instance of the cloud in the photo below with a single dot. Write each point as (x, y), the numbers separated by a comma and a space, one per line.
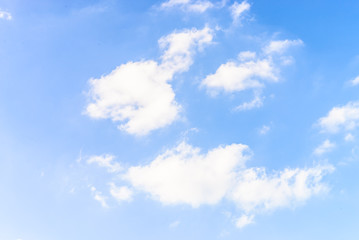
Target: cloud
(99, 197)
(349, 137)
(174, 224)
(257, 102)
(185, 176)
(235, 77)
(244, 220)
(355, 81)
(237, 10)
(281, 46)
(325, 147)
(256, 191)
(137, 94)
(5, 15)
(341, 118)
(250, 72)
(264, 130)
(188, 5)
(120, 193)
(105, 161)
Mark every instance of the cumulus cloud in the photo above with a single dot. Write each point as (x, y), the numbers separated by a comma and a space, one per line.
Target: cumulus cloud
(355, 81)
(325, 147)
(341, 118)
(188, 5)
(235, 77)
(106, 161)
(251, 71)
(237, 10)
(349, 137)
(5, 15)
(186, 175)
(183, 175)
(281, 46)
(120, 193)
(138, 94)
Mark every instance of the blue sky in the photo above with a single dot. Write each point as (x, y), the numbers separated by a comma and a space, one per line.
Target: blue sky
(179, 119)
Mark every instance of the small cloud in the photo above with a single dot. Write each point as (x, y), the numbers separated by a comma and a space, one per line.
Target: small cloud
(355, 81)
(244, 220)
(325, 147)
(188, 5)
(106, 161)
(5, 15)
(246, 55)
(99, 197)
(281, 46)
(237, 10)
(264, 130)
(121, 193)
(349, 137)
(257, 102)
(174, 224)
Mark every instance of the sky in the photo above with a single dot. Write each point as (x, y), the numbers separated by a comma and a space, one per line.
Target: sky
(179, 119)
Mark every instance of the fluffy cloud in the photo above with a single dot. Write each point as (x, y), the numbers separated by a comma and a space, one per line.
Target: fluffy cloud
(235, 77)
(5, 15)
(325, 147)
(341, 118)
(250, 72)
(237, 10)
(185, 176)
(188, 5)
(106, 161)
(138, 94)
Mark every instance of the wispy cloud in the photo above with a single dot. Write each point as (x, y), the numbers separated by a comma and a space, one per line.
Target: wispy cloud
(5, 15)
(188, 5)
(238, 9)
(325, 147)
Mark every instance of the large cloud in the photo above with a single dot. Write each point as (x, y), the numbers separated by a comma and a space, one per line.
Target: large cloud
(138, 94)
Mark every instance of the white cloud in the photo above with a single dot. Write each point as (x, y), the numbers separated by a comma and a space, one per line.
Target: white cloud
(355, 81)
(264, 130)
(255, 191)
(257, 102)
(138, 94)
(174, 224)
(106, 161)
(5, 15)
(235, 77)
(325, 147)
(281, 46)
(185, 176)
(349, 137)
(121, 193)
(341, 118)
(237, 10)
(188, 5)
(99, 197)
(244, 220)
(251, 72)
(247, 55)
